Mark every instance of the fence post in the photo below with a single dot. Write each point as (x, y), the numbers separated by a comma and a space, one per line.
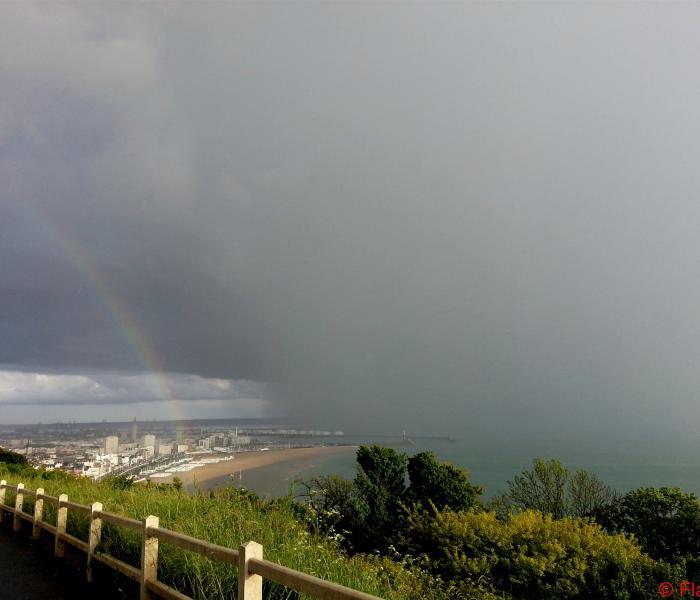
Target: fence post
(95, 535)
(38, 512)
(149, 557)
(19, 502)
(3, 483)
(59, 548)
(249, 584)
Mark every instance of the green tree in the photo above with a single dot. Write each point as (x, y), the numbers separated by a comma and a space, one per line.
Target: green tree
(369, 513)
(380, 486)
(587, 493)
(541, 488)
(441, 484)
(666, 521)
(549, 487)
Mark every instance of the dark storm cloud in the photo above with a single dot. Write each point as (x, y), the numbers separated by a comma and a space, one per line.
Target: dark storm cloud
(409, 215)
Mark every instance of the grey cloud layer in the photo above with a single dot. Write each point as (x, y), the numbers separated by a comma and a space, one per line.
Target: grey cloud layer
(410, 215)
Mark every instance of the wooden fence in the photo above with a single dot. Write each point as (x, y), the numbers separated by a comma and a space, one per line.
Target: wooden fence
(252, 568)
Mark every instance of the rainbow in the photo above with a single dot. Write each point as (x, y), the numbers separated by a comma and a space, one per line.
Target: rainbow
(117, 309)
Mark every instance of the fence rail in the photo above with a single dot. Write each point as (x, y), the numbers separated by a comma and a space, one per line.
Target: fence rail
(252, 568)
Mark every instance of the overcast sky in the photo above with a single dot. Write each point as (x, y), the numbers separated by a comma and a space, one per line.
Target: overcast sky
(448, 216)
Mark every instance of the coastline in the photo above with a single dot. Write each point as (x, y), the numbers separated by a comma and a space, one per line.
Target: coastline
(216, 475)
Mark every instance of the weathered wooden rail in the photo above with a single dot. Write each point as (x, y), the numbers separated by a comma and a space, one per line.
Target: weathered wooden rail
(252, 567)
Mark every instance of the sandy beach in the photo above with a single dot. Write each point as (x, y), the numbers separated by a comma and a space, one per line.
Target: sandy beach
(212, 475)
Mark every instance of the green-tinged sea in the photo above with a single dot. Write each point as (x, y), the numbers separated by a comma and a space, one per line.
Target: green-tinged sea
(624, 463)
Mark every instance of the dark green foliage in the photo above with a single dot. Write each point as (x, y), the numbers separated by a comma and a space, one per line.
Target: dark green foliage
(12, 458)
(381, 474)
(440, 484)
(330, 506)
(380, 486)
(369, 513)
(666, 521)
(550, 488)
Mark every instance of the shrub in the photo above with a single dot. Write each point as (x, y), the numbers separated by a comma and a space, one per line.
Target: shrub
(666, 521)
(12, 458)
(534, 556)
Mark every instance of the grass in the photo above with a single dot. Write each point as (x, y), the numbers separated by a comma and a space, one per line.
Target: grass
(227, 517)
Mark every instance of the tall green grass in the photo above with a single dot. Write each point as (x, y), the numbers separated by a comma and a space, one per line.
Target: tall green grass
(227, 517)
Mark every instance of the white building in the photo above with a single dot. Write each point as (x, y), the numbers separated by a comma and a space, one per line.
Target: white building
(111, 444)
(110, 460)
(165, 449)
(149, 440)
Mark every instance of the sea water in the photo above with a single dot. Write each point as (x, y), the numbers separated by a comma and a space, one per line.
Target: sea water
(624, 463)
